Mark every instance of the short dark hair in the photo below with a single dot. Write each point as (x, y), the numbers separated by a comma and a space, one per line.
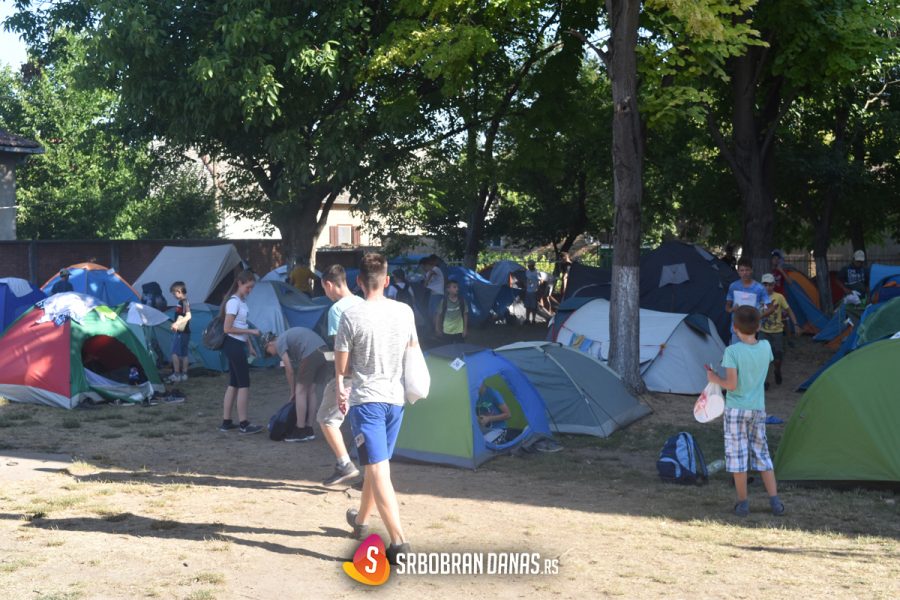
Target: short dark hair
(178, 286)
(335, 274)
(745, 262)
(746, 319)
(372, 267)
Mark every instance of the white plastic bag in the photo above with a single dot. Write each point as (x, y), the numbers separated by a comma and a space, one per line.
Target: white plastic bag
(710, 405)
(416, 378)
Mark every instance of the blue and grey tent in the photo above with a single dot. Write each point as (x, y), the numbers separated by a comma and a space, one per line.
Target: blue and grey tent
(884, 282)
(582, 394)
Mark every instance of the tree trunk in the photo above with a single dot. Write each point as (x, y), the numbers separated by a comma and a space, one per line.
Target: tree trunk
(754, 167)
(475, 226)
(628, 155)
(300, 227)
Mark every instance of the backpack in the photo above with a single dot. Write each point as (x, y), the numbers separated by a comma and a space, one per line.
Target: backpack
(681, 461)
(214, 332)
(404, 294)
(282, 421)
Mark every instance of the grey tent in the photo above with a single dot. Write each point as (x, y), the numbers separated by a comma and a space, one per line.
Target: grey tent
(582, 395)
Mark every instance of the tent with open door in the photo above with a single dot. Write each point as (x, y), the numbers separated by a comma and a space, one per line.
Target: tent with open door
(673, 347)
(582, 395)
(202, 269)
(98, 281)
(70, 348)
(152, 327)
(16, 296)
(444, 429)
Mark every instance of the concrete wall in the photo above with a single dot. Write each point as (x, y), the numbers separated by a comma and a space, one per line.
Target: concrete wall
(7, 197)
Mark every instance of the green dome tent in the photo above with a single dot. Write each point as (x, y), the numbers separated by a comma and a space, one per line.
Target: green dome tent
(443, 428)
(844, 428)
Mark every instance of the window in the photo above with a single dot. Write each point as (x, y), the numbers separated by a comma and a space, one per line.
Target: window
(343, 235)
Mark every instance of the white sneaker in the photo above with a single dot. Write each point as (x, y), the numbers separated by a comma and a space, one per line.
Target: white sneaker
(173, 378)
(184, 377)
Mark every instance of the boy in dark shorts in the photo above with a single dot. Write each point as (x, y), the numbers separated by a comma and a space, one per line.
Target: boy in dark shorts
(302, 352)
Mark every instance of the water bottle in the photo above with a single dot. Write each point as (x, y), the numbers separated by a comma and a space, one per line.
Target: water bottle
(715, 466)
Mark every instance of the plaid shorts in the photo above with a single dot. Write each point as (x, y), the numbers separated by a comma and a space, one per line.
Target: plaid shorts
(745, 438)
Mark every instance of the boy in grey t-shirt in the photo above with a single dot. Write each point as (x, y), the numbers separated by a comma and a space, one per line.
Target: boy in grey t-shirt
(302, 352)
(370, 345)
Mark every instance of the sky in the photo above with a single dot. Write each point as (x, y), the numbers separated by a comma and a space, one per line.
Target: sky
(12, 50)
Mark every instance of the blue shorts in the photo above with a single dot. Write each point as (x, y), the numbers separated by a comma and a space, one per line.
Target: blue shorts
(375, 426)
(181, 343)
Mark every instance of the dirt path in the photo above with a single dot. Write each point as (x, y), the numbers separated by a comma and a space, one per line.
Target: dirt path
(158, 504)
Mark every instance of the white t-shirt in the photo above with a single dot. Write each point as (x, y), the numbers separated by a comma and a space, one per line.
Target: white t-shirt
(436, 281)
(375, 334)
(237, 307)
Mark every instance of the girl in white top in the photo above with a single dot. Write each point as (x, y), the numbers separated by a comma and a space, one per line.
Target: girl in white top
(237, 345)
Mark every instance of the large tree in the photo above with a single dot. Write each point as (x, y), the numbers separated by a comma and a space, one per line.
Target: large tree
(277, 89)
(807, 45)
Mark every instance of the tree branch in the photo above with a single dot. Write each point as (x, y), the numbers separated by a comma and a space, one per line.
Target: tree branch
(721, 142)
(604, 56)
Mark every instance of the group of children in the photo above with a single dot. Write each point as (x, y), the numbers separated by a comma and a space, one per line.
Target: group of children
(757, 344)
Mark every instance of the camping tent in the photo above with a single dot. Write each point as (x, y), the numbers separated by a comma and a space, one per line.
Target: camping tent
(877, 322)
(803, 297)
(201, 268)
(443, 428)
(201, 315)
(502, 269)
(16, 296)
(582, 394)
(152, 327)
(884, 282)
(98, 281)
(68, 348)
(677, 277)
(275, 306)
(845, 426)
(480, 294)
(673, 347)
(277, 274)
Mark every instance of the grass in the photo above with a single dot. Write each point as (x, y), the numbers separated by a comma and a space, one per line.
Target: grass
(201, 595)
(71, 423)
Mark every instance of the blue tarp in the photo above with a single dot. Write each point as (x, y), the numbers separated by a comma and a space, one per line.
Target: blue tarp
(12, 306)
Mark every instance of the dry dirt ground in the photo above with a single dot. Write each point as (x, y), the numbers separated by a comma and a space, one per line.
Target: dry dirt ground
(130, 502)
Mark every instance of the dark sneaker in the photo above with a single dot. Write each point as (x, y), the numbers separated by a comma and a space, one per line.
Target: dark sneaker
(250, 428)
(741, 509)
(341, 474)
(360, 532)
(173, 399)
(777, 506)
(395, 549)
(228, 427)
(300, 434)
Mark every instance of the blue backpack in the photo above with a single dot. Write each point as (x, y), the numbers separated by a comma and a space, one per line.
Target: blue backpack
(681, 461)
(281, 422)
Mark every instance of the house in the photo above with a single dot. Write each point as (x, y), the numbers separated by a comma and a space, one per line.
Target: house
(14, 150)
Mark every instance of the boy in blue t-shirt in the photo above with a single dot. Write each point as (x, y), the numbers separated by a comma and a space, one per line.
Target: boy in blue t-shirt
(746, 366)
(492, 414)
(746, 291)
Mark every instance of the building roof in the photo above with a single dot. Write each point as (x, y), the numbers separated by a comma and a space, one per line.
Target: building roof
(17, 144)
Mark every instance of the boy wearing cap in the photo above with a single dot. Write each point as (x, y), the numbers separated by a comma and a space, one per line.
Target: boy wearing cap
(855, 277)
(772, 326)
(63, 284)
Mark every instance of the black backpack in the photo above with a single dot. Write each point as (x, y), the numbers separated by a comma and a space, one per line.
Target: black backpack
(404, 294)
(281, 423)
